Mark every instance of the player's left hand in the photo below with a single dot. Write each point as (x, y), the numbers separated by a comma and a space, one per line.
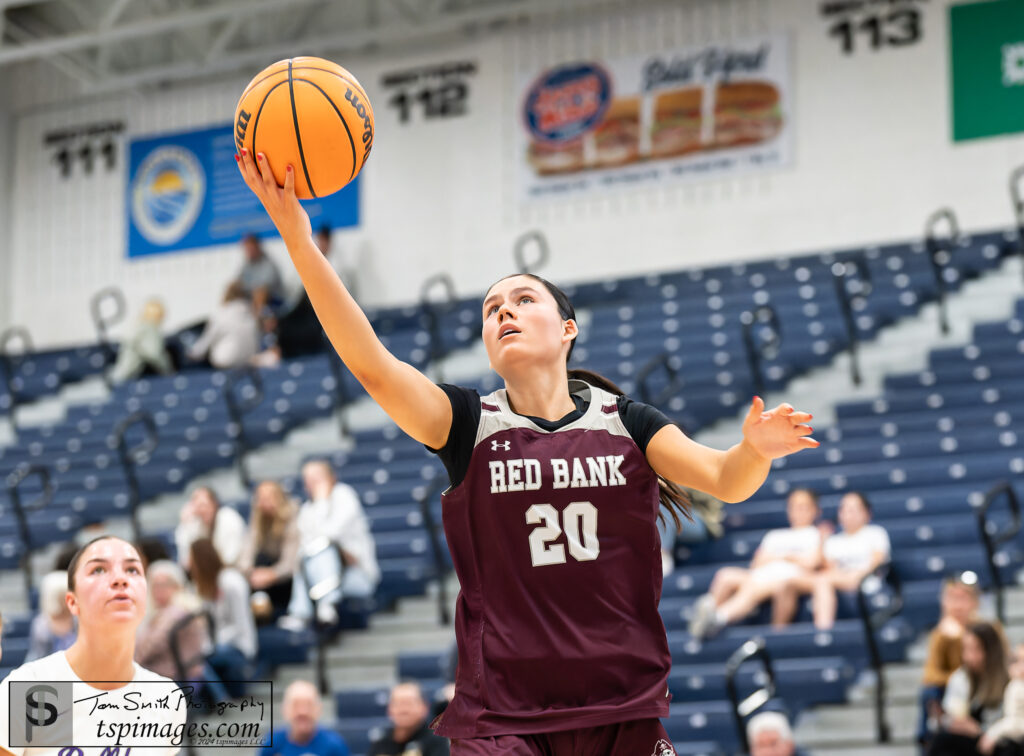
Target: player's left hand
(777, 432)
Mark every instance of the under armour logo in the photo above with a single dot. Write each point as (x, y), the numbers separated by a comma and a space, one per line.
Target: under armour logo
(503, 445)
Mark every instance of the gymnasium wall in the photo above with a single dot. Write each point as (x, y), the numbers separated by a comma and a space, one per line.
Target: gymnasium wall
(6, 146)
(872, 157)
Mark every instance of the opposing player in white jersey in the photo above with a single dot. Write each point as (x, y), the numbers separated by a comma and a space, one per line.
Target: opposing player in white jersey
(107, 593)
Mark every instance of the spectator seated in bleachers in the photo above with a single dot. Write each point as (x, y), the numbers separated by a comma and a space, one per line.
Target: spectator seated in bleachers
(259, 279)
(297, 331)
(784, 554)
(225, 593)
(270, 553)
(171, 603)
(231, 337)
(334, 512)
(53, 629)
(144, 347)
(204, 517)
(1005, 737)
(410, 732)
(974, 693)
(959, 602)
(304, 735)
(855, 552)
(769, 734)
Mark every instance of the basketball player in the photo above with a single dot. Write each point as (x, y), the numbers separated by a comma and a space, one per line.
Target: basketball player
(551, 514)
(107, 593)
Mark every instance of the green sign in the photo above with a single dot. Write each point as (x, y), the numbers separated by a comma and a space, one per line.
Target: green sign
(987, 51)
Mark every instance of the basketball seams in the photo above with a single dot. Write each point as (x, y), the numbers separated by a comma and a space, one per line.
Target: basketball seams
(256, 119)
(284, 72)
(298, 135)
(341, 118)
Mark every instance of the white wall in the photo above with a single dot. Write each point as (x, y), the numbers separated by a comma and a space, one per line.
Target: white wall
(6, 147)
(873, 157)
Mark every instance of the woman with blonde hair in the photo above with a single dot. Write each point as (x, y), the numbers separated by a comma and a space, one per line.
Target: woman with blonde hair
(270, 553)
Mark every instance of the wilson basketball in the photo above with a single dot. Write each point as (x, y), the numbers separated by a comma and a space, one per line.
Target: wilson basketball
(311, 114)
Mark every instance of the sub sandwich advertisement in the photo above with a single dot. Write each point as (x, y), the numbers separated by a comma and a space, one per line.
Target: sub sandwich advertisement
(593, 125)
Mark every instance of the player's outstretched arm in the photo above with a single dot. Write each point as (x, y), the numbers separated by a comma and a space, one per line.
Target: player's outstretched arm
(732, 475)
(411, 399)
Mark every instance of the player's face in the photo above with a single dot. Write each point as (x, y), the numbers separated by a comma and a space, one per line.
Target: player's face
(853, 515)
(110, 586)
(522, 323)
(801, 509)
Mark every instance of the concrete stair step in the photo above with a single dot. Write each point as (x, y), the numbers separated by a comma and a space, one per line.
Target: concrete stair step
(854, 724)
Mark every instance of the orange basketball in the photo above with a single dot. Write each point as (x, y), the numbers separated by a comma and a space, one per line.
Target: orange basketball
(311, 114)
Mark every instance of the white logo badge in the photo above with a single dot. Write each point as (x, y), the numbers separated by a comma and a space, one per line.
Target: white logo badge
(1013, 64)
(167, 194)
(504, 445)
(663, 748)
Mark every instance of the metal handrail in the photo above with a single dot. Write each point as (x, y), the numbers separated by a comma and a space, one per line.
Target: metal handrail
(873, 621)
(936, 246)
(238, 409)
(102, 321)
(752, 650)
(842, 273)
(749, 320)
(519, 247)
(317, 593)
(438, 484)
(1017, 198)
(661, 361)
(13, 484)
(132, 456)
(433, 309)
(992, 541)
(8, 363)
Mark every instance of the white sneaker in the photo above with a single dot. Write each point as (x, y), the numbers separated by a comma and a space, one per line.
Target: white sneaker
(703, 616)
(291, 624)
(326, 614)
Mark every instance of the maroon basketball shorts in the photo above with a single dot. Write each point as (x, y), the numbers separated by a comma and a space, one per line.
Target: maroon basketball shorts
(642, 737)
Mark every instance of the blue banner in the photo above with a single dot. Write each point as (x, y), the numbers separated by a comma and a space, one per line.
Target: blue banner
(185, 191)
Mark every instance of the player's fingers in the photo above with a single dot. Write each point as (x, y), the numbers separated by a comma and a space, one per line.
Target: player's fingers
(268, 175)
(252, 176)
(756, 408)
(804, 430)
(806, 442)
(801, 417)
(289, 182)
(785, 409)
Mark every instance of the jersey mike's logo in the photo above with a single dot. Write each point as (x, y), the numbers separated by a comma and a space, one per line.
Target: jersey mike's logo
(567, 101)
(39, 712)
(663, 748)
(503, 445)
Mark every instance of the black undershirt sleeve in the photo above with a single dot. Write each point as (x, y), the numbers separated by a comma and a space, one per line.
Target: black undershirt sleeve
(641, 420)
(458, 448)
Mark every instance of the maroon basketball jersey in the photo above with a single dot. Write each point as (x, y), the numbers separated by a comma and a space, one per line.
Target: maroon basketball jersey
(554, 540)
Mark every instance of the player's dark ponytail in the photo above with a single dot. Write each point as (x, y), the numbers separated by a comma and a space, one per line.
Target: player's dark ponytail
(674, 498)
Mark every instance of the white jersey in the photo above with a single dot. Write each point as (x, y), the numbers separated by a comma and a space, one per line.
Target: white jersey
(98, 716)
(854, 551)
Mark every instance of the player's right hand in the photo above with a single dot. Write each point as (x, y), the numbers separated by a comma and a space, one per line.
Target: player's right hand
(281, 204)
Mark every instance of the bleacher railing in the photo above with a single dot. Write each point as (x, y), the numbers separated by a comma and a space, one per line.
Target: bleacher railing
(752, 650)
(1017, 198)
(873, 619)
(241, 399)
(107, 308)
(852, 281)
(940, 252)
(660, 362)
(540, 242)
(133, 456)
(21, 510)
(431, 491)
(434, 308)
(9, 362)
(992, 538)
(762, 338)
